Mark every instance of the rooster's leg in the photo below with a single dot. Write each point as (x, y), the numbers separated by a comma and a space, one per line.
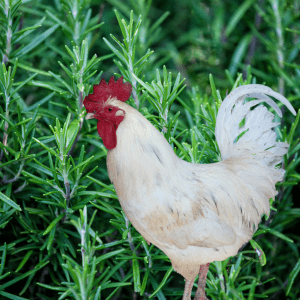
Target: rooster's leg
(200, 293)
(188, 289)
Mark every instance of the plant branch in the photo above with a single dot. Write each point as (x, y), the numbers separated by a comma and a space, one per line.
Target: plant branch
(280, 55)
(8, 32)
(67, 184)
(16, 177)
(131, 245)
(133, 80)
(82, 235)
(80, 104)
(129, 236)
(253, 43)
(20, 188)
(5, 134)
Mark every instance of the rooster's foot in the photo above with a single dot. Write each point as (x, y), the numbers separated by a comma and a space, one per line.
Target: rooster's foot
(200, 293)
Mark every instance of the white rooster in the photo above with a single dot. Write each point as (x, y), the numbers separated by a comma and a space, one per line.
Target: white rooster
(194, 213)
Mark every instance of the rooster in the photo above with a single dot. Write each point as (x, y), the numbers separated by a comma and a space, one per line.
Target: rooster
(195, 213)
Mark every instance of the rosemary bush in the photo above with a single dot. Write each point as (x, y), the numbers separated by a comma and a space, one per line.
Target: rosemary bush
(63, 234)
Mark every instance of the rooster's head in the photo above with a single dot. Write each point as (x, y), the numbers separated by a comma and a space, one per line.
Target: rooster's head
(108, 116)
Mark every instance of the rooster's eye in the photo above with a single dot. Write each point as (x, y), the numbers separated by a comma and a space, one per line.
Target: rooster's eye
(110, 109)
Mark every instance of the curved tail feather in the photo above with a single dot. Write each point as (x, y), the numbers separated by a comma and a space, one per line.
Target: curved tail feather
(259, 135)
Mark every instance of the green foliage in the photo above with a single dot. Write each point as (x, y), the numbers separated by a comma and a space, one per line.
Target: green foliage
(63, 234)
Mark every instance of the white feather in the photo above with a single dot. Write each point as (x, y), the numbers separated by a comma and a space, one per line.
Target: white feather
(259, 121)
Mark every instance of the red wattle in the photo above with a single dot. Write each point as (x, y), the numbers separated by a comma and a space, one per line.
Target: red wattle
(107, 131)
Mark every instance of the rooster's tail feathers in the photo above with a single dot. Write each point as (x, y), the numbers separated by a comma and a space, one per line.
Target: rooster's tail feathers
(259, 135)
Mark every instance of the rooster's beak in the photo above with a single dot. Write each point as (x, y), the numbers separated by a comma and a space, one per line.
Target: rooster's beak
(89, 116)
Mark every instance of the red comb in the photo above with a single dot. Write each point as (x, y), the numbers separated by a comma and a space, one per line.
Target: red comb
(103, 91)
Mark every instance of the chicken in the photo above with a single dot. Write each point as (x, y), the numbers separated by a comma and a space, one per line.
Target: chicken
(195, 213)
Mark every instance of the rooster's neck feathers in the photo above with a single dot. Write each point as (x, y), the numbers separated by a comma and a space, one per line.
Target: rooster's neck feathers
(137, 135)
(140, 147)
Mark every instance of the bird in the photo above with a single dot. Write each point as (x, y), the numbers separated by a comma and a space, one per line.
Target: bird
(194, 213)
